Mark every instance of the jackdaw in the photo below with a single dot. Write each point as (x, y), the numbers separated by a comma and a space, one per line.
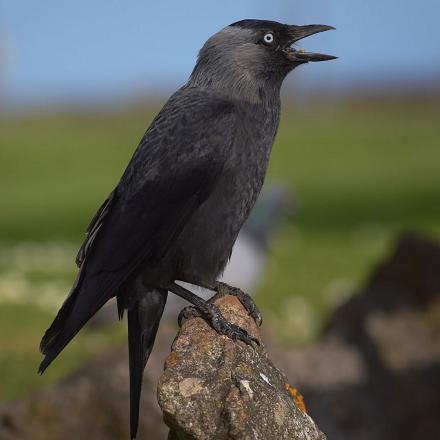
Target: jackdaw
(190, 185)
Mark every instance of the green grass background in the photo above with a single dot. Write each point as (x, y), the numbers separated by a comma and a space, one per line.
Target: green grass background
(361, 173)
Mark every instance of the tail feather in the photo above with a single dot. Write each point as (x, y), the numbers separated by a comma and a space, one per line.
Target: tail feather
(143, 322)
(57, 325)
(82, 303)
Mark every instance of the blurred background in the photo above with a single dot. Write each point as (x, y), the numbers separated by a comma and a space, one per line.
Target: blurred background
(355, 165)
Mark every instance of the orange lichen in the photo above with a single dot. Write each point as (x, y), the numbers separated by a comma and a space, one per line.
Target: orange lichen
(297, 397)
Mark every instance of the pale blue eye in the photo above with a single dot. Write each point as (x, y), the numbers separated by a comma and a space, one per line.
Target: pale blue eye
(268, 38)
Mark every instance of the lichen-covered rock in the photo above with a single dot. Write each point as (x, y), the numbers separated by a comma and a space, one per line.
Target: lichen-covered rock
(215, 388)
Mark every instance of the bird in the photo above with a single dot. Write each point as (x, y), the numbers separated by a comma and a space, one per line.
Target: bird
(192, 181)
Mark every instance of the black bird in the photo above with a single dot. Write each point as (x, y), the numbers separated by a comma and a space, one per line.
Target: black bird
(180, 204)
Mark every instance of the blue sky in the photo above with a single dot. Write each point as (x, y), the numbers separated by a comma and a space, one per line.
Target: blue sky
(58, 50)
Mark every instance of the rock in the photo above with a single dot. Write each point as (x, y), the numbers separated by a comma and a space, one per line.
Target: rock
(215, 388)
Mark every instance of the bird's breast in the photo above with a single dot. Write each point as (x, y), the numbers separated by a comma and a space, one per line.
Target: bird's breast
(207, 240)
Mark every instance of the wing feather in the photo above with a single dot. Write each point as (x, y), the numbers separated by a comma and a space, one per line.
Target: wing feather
(167, 180)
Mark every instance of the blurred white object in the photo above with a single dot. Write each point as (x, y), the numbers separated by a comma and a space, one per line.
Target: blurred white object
(246, 265)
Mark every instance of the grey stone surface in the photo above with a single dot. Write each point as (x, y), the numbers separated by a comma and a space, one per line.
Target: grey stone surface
(215, 388)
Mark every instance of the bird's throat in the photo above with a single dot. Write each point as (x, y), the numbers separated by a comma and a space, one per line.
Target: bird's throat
(237, 84)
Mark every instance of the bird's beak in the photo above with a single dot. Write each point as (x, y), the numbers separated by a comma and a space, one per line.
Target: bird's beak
(298, 33)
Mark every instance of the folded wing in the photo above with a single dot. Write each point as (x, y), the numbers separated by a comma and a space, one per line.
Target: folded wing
(173, 171)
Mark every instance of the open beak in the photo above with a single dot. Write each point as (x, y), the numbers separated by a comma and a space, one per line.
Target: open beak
(298, 33)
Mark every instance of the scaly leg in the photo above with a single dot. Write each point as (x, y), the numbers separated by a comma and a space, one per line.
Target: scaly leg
(210, 312)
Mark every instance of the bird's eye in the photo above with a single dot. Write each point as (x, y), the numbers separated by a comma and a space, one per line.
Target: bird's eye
(268, 38)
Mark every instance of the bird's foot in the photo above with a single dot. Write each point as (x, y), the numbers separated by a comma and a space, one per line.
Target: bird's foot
(248, 303)
(186, 313)
(211, 313)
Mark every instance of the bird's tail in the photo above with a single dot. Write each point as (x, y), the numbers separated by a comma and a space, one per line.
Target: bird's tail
(143, 322)
(84, 300)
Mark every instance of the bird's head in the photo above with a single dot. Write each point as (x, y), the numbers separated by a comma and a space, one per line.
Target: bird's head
(256, 50)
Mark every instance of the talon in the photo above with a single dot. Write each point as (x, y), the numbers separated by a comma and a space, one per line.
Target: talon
(247, 302)
(211, 313)
(223, 327)
(187, 313)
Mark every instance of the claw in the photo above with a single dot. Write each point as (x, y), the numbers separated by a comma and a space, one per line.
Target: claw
(247, 302)
(187, 313)
(212, 314)
(233, 331)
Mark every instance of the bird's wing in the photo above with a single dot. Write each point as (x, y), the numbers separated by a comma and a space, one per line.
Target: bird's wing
(173, 171)
(93, 228)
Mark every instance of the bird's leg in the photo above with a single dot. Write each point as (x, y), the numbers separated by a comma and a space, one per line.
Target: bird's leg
(248, 303)
(210, 312)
